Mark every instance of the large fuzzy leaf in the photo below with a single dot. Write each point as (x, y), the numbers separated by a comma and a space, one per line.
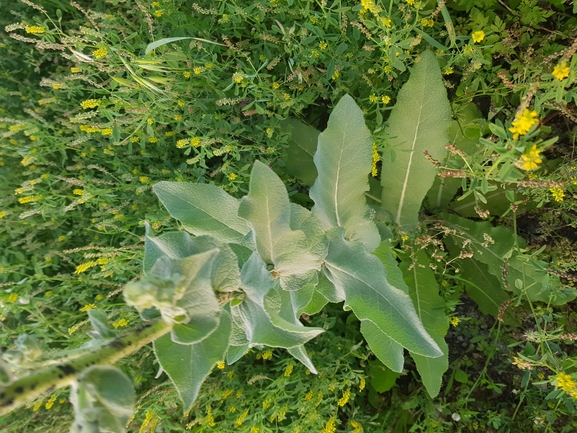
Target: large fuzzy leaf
(419, 122)
(103, 400)
(430, 307)
(494, 246)
(181, 290)
(360, 279)
(203, 210)
(343, 160)
(296, 257)
(188, 365)
(179, 245)
(263, 325)
(302, 145)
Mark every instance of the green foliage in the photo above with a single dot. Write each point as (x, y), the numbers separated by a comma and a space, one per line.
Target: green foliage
(101, 100)
(418, 123)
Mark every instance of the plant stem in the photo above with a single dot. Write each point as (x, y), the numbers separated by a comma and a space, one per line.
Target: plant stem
(28, 388)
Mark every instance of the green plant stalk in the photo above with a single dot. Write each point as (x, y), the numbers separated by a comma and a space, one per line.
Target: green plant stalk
(28, 388)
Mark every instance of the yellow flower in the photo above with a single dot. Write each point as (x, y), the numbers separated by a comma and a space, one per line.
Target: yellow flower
(149, 121)
(523, 365)
(12, 298)
(561, 71)
(385, 99)
(376, 159)
(336, 75)
(90, 103)
(275, 85)
(221, 365)
(267, 355)
(373, 98)
(386, 21)
(232, 176)
(186, 74)
(61, 238)
(87, 307)
(323, 45)
(75, 70)
(144, 179)
(158, 12)
(238, 77)
(455, 321)
(120, 323)
(197, 70)
(241, 418)
(3, 214)
(330, 426)
(357, 426)
(100, 52)
(288, 370)
(478, 36)
(530, 160)
(345, 398)
(35, 30)
(362, 384)
(523, 123)
(448, 71)
(153, 140)
(78, 191)
(427, 22)
(565, 382)
(106, 131)
(195, 141)
(557, 192)
(181, 143)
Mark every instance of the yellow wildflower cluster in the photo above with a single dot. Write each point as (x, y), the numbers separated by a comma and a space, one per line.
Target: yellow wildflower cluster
(427, 22)
(523, 365)
(241, 418)
(158, 13)
(88, 307)
(120, 323)
(567, 384)
(345, 398)
(455, 321)
(3, 214)
(90, 103)
(100, 52)
(75, 70)
(288, 371)
(195, 141)
(561, 71)
(267, 355)
(78, 191)
(181, 143)
(35, 30)
(523, 123)
(144, 179)
(530, 160)
(232, 176)
(357, 426)
(238, 77)
(220, 365)
(369, 5)
(197, 70)
(106, 131)
(153, 140)
(362, 384)
(30, 199)
(330, 426)
(150, 422)
(50, 402)
(83, 267)
(557, 192)
(376, 159)
(478, 36)
(89, 129)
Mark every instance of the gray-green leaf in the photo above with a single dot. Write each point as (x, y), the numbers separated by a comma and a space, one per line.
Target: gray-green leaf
(419, 122)
(188, 366)
(203, 210)
(363, 280)
(343, 159)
